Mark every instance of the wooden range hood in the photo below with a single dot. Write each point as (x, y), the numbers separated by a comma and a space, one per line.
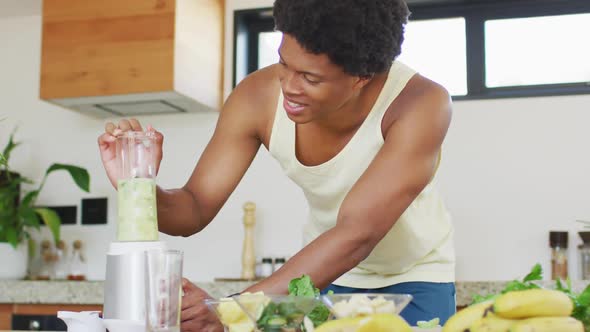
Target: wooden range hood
(128, 57)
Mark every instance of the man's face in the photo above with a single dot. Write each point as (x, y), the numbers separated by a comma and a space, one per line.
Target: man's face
(312, 85)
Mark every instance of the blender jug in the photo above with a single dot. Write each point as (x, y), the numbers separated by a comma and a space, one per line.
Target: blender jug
(136, 186)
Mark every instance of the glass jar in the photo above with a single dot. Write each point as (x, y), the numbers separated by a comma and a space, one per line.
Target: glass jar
(78, 267)
(584, 255)
(136, 186)
(61, 261)
(279, 262)
(558, 242)
(266, 267)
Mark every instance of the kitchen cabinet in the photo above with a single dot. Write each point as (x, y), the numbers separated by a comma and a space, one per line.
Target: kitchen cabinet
(5, 316)
(8, 310)
(113, 57)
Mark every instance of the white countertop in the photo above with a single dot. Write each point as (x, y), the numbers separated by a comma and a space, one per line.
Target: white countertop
(91, 292)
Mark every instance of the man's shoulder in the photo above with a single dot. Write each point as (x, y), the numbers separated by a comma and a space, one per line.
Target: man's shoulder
(259, 89)
(424, 96)
(422, 100)
(253, 102)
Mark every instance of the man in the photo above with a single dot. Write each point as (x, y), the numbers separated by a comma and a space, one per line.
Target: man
(359, 132)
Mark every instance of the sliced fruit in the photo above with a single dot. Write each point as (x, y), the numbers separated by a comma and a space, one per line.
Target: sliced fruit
(340, 325)
(244, 326)
(254, 303)
(384, 323)
(230, 312)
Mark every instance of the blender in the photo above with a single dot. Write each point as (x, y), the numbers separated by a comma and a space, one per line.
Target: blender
(137, 229)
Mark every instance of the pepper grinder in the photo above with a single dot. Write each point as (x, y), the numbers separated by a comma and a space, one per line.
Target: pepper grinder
(248, 255)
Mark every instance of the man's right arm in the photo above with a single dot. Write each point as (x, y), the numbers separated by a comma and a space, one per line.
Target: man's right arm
(229, 153)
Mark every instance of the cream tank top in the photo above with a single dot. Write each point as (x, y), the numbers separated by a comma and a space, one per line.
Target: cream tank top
(419, 247)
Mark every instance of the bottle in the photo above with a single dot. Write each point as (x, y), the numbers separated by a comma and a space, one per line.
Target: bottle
(35, 260)
(61, 261)
(77, 263)
(584, 255)
(266, 268)
(278, 263)
(558, 243)
(46, 269)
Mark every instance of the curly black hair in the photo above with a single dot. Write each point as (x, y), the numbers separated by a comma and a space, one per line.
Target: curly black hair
(361, 36)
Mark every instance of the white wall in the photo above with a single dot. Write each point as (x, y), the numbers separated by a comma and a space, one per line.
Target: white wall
(512, 170)
(52, 134)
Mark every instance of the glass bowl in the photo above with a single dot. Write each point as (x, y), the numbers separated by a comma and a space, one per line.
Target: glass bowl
(230, 314)
(282, 312)
(363, 304)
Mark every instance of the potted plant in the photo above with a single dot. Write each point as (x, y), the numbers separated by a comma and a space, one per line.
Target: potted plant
(19, 216)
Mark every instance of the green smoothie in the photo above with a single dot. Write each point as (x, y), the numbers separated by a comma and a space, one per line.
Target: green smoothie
(138, 217)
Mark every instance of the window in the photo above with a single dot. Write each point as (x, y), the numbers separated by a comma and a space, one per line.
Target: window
(537, 51)
(268, 45)
(477, 49)
(436, 48)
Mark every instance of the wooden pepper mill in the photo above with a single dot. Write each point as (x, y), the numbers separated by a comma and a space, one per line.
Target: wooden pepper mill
(248, 254)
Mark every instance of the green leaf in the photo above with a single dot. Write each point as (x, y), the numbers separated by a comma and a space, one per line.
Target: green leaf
(267, 314)
(558, 285)
(78, 174)
(12, 236)
(303, 286)
(584, 297)
(10, 146)
(428, 324)
(516, 285)
(29, 198)
(51, 219)
(482, 298)
(535, 274)
(319, 315)
(29, 217)
(3, 160)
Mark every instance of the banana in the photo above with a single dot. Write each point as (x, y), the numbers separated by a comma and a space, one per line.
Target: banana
(533, 303)
(548, 324)
(492, 323)
(463, 319)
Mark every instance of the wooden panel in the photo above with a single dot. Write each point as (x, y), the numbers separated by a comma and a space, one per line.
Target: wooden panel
(93, 48)
(72, 10)
(5, 316)
(52, 309)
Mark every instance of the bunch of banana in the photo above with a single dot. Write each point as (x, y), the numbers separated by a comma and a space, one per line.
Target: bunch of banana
(532, 310)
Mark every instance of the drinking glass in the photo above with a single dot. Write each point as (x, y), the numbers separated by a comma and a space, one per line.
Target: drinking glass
(164, 290)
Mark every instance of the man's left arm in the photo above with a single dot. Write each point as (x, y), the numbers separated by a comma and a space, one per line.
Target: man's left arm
(399, 172)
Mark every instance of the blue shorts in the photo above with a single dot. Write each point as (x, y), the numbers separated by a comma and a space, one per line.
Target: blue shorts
(430, 300)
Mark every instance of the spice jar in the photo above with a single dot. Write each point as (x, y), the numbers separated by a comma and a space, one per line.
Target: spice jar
(558, 243)
(279, 262)
(584, 255)
(266, 268)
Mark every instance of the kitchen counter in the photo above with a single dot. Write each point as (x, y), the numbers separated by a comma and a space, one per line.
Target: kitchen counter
(91, 292)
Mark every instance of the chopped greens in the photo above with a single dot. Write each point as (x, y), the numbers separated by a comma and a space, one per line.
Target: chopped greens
(428, 324)
(286, 316)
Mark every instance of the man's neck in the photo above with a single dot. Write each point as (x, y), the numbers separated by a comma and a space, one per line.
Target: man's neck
(351, 115)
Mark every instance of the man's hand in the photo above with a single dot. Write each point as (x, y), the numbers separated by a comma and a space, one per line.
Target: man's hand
(196, 316)
(107, 146)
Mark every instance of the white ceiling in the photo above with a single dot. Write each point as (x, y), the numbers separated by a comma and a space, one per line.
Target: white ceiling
(10, 8)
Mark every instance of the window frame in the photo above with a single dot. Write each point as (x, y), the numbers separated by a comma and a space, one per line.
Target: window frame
(253, 21)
